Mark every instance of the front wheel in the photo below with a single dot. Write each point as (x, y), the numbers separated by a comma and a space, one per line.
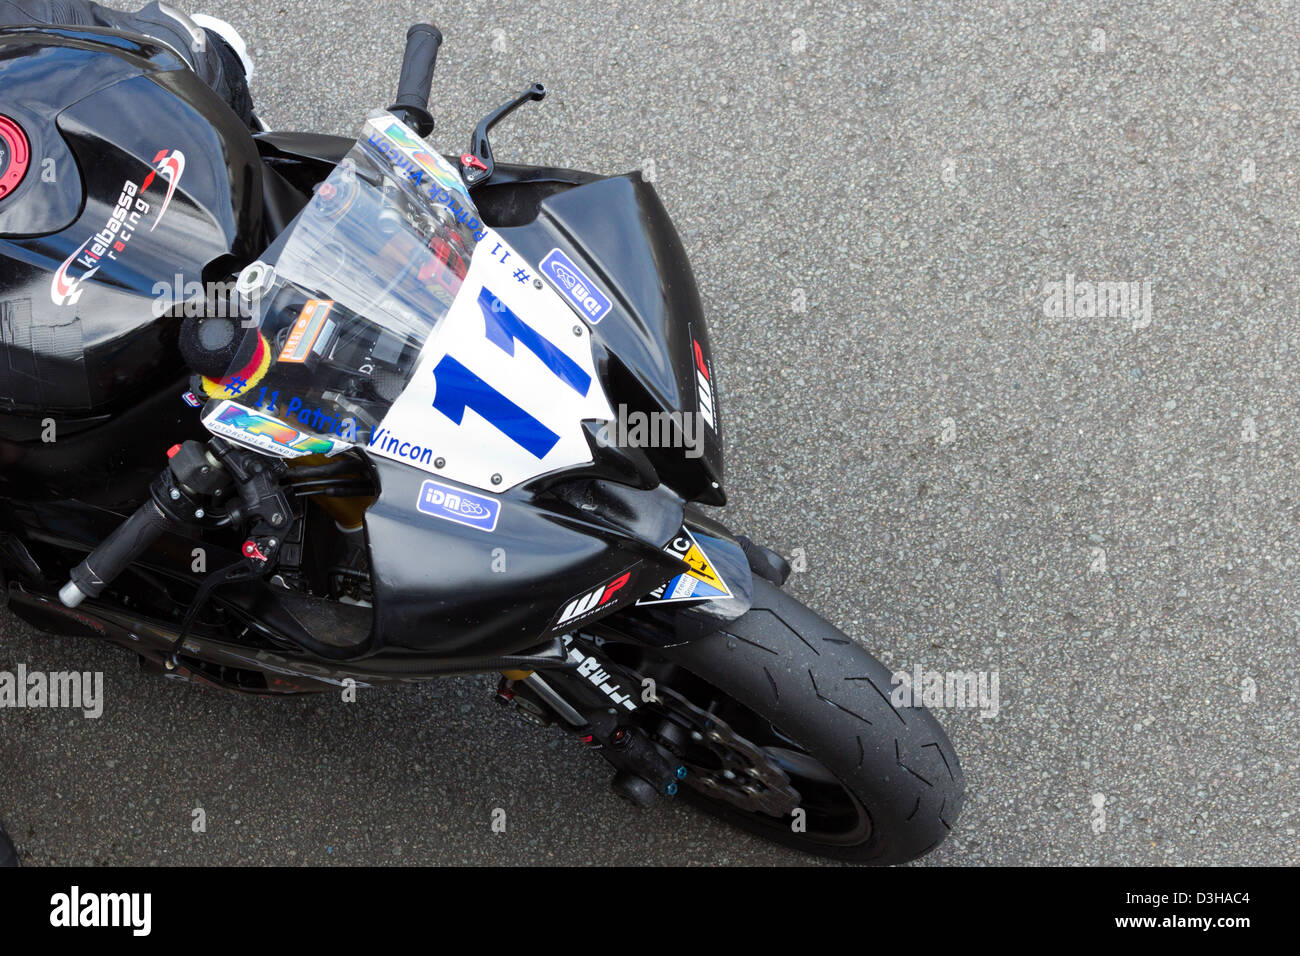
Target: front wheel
(782, 687)
(8, 855)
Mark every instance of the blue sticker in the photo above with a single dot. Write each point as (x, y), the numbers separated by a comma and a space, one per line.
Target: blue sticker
(573, 283)
(462, 507)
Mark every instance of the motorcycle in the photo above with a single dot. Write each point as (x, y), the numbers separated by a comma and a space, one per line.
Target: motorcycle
(285, 413)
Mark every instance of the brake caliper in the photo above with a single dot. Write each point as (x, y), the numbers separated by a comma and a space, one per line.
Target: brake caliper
(719, 761)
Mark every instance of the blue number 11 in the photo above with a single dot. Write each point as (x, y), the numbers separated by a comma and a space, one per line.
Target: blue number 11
(458, 388)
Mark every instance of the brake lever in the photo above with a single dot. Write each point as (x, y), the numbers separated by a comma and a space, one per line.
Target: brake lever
(477, 166)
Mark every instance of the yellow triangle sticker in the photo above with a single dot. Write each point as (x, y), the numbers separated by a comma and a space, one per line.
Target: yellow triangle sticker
(701, 569)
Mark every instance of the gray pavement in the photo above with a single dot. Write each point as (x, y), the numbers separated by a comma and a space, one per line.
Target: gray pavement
(876, 197)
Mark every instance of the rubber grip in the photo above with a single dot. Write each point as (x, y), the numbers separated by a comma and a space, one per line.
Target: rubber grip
(418, 62)
(116, 552)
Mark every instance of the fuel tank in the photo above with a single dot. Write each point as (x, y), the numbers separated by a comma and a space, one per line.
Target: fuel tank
(125, 183)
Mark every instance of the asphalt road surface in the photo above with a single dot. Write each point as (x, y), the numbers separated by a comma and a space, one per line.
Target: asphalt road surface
(878, 199)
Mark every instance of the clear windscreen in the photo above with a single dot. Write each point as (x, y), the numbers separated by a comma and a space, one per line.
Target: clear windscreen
(344, 299)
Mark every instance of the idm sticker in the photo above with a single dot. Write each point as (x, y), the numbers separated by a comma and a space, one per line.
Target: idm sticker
(574, 285)
(455, 504)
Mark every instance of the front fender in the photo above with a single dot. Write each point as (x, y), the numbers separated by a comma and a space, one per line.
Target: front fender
(661, 624)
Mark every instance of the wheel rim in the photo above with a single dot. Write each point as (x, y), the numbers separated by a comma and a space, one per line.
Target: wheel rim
(833, 815)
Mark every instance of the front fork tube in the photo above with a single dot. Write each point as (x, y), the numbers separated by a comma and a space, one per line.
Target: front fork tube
(594, 700)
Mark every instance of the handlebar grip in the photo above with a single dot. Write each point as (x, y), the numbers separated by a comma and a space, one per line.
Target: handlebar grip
(127, 542)
(418, 62)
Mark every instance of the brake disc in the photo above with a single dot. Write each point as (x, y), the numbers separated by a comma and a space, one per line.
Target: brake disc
(747, 778)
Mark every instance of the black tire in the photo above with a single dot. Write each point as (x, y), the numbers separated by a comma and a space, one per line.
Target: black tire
(824, 692)
(8, 854)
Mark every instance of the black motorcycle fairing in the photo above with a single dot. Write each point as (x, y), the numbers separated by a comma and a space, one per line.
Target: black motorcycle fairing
(439, 593)
(74, 341)
(559, 541)
(616, 229)
(318, 153)
(165, 578)
(107, 460)
(460, 590)
(653, 346)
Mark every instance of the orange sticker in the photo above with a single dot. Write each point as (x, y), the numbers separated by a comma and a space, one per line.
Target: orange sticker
(306, 330)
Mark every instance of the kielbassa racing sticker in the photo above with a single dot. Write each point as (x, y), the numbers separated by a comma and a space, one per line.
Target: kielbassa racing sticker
(104, 246)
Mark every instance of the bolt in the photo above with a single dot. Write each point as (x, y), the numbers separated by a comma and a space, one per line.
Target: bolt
(496, 479)
(670, 788)
(537, 283)
(577, 330)
(175, 495)
(440, 463)
(198, 512)
(730, 775)
(277, 519)
(271, 542)
(696, 735)
(681, 773)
